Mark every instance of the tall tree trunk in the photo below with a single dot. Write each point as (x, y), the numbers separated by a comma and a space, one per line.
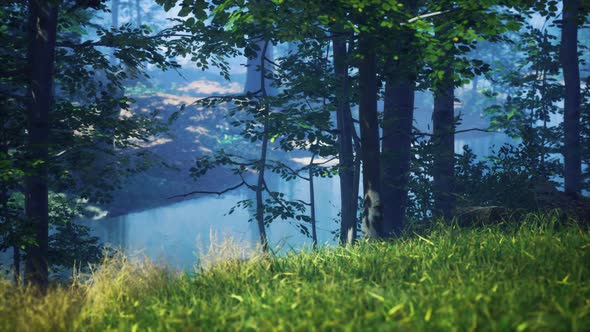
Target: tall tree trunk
(263, 153)
(348, 196)
(443, 125)
(372, 206)
(398, 116)
(397, 139)
(43, 30)
(571, 117)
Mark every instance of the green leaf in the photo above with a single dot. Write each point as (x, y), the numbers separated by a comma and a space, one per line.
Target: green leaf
(184, 11)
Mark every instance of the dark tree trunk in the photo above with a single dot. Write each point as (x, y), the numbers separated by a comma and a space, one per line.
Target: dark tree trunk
(314, 234)
(16, 264)
(571, 116)
(263, 153)
(372, 206)
(43, 29)
(348, 196)
(397, 139)
(443, 138)
(398, 114)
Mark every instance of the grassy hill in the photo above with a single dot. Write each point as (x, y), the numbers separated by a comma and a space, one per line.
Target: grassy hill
(533, 276)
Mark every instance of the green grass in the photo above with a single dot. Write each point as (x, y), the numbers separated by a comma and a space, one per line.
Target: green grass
(530, 277)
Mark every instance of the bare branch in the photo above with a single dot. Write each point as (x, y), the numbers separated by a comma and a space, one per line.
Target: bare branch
(324, 162)
(219, 193)
(273, 196)
(271, 62)
(251, 187)
(457, 132)
(303, 202)
(293, 172)
(475, 129)
(414, 19)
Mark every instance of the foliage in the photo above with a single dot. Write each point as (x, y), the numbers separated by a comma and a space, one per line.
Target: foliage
(71, 245)
(297, 118)
(420, 195)
(528, 114)
(509, 177)
(530, 276)
(95, 139)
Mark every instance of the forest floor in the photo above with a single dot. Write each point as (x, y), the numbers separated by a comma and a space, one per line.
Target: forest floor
(529, 276)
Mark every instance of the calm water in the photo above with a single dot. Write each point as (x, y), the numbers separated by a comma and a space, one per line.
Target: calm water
(176, 233)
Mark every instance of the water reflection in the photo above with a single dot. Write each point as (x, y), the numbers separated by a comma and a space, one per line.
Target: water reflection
(174, 234)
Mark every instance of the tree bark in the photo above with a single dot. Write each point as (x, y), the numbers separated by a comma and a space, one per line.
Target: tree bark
(16, 264)
(43, 30)
(263, 153)
(345, 127)
(571, 116)
(314, 234)
(443, 125)
(372, 221)
(398, 115)
(397, 139)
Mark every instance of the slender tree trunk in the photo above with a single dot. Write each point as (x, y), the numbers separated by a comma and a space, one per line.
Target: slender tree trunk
(372, 206)
(348, 197)
(443, 137)
(43, 29)
(358, 156)
(314, 234)
(16, 264)
(356, 184)
(571, 116)
(263, 153)
(397, 139)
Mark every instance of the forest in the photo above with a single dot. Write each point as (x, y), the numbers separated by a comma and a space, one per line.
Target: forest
(373, 165)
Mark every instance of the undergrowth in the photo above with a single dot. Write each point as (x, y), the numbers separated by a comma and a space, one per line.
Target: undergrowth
(533, 276)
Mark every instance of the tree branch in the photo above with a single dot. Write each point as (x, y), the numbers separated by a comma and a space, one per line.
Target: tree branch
(457, 132)
(219, 193)
(414, 19)
(273, 196)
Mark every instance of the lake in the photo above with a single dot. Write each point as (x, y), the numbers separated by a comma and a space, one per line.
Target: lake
(175, 234)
